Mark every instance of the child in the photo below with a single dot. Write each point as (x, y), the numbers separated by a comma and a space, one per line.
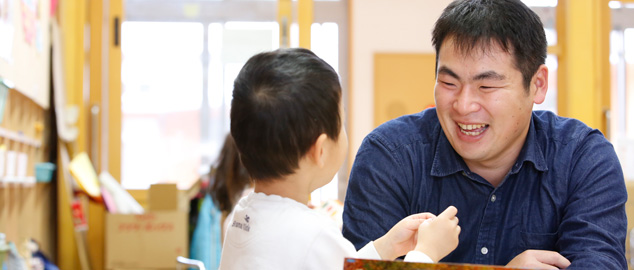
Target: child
(286, 120)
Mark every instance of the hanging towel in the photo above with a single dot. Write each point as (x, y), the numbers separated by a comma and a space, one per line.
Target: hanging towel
(206, 241)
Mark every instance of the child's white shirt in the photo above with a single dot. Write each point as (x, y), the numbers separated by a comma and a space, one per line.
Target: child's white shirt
(272, 232)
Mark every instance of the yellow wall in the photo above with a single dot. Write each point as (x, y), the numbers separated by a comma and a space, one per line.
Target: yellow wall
(403, 84)
(583, 28)
(84, 74)
(71, 15)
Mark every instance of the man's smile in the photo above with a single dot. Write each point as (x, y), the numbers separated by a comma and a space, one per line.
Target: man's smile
(472, 129)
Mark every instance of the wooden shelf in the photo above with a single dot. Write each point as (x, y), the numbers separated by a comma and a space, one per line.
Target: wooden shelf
(19, 137)
(27, 212)
(27, 208)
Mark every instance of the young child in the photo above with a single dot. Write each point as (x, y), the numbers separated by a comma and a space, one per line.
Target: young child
(287, 122)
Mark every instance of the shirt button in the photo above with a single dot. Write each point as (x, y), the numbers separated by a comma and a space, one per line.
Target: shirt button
(484, 250)
(464, 173)
(493, 198)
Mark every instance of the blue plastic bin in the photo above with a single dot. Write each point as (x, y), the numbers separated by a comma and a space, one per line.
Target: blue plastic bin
(44, 172)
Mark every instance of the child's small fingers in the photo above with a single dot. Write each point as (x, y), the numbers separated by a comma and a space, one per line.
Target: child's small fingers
(414, 221)
(449, 213)
(423, 216)
(425, 223)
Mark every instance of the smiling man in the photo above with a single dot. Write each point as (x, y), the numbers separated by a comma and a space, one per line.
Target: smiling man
(533, 189)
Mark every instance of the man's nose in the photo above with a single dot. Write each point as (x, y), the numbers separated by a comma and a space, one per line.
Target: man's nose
(467, 100)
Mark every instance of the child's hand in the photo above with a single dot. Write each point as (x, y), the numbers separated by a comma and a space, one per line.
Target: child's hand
(439, 237)
(402, 237)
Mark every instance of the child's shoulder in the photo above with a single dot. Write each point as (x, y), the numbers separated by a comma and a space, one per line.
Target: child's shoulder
(277, 209)
(275, 216)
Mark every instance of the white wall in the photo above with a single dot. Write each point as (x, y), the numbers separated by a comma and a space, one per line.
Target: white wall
(382, 26)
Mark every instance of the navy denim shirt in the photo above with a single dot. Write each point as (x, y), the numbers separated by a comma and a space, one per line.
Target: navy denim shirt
(565, 193)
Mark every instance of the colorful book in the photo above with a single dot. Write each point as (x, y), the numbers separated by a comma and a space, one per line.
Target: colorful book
(365, 264)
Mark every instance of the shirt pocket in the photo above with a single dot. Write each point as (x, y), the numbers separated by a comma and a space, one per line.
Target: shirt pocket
(543, 241)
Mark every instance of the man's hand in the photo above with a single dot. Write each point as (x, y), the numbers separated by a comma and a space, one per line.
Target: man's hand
(541, 259)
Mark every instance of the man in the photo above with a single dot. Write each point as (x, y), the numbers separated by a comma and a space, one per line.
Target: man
(532, 189)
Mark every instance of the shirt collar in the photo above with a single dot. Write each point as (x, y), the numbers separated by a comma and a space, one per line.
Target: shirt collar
(447, 161)
(531, 151)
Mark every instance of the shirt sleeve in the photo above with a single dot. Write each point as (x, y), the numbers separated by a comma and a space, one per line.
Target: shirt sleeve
(417, 256)
(369, 252)
(375, 199)
(594, 225)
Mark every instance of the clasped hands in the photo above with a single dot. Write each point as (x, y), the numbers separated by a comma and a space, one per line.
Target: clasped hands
(437, 236)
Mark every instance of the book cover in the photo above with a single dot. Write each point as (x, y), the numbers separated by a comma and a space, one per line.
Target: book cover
(365, 264)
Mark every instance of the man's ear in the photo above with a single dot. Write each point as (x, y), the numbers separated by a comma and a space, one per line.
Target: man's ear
(316, 153)
(539, 84)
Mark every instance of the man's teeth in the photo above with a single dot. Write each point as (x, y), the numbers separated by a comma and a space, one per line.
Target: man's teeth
(472, 130)
(471, 127)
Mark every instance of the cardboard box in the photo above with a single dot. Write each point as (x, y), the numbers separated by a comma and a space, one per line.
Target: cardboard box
(148, 241)
(163, 197)
(151, 240)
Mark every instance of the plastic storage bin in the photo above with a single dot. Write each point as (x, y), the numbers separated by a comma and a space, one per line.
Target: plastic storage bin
(44, 172)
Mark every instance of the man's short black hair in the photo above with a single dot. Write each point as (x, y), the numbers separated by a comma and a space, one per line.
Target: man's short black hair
(476, 24)
(282, 101)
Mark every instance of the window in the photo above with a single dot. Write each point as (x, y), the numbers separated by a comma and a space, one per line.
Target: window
(178, 71)
(160, 103)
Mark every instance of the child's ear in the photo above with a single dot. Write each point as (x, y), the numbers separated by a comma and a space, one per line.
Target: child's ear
(316, 152)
